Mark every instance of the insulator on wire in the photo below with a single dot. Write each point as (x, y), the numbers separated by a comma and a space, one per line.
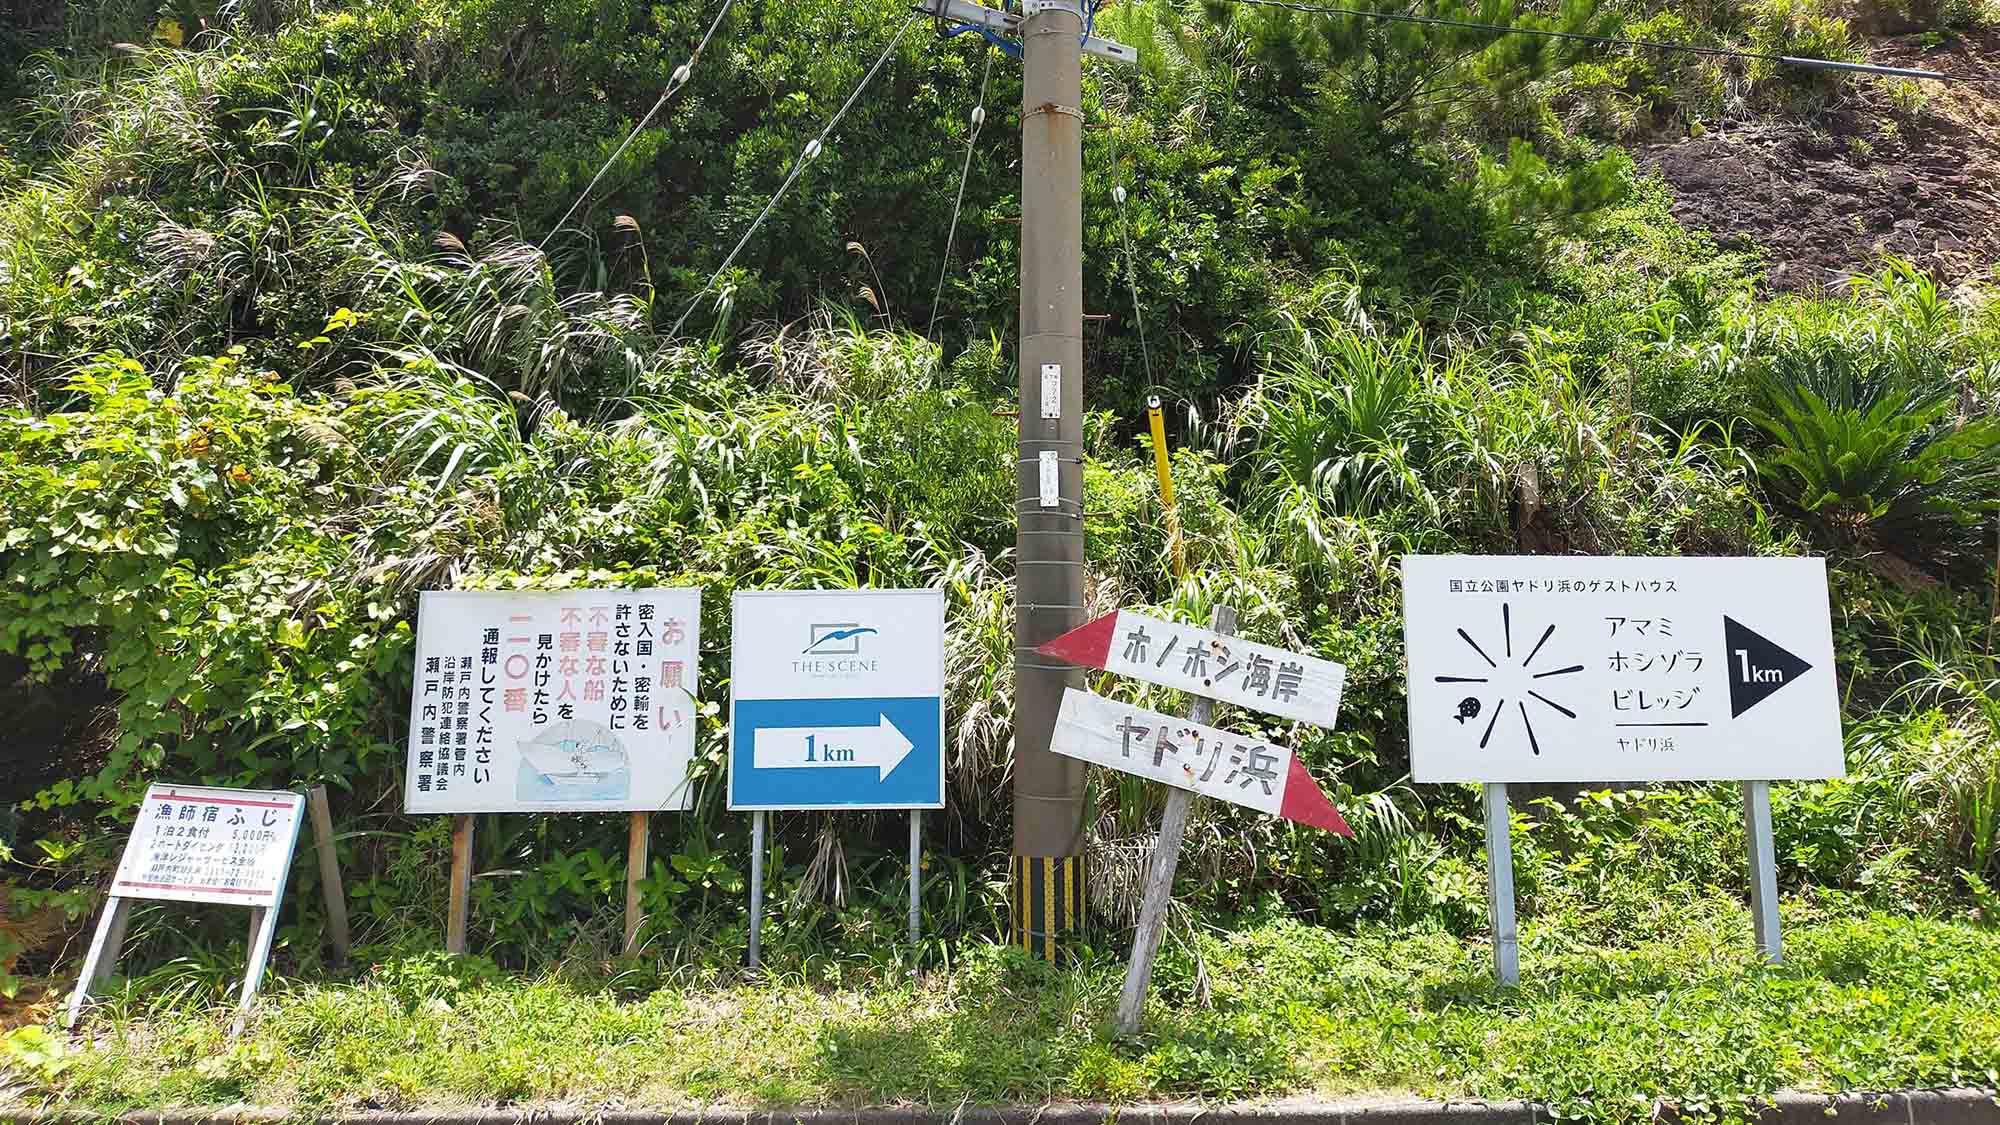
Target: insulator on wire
(1118, 195)
(680, 74)
(812, 149)
(978, 116)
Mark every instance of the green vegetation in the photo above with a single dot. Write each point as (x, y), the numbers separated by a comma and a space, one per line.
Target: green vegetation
(287, 335)
(1678, 1008)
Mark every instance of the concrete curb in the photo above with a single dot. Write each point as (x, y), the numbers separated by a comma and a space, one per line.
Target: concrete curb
(1909, 1107)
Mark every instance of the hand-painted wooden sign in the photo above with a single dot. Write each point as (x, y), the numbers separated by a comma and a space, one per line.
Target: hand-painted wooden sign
(1189, 755)
(1200, 661)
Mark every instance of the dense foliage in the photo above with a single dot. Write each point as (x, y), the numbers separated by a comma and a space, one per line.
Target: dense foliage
(289, 333)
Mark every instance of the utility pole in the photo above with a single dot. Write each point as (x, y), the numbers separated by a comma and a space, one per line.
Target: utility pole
(1046, 872)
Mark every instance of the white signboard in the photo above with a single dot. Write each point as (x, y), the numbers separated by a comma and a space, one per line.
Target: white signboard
(1188, 755)
(1201, 661)
(837, 699)
(194, 844)
(560, 701)
(1580, 669)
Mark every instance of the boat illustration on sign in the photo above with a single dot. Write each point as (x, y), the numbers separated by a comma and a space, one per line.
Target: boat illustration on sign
(577, 760)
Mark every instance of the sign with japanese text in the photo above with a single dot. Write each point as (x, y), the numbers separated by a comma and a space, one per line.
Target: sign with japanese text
(193, 844)
(1200, 661)
(1579, 669)
(837, 699)
(1187, 755)
(556, 701)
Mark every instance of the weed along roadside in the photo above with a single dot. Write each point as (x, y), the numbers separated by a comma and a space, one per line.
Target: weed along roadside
(1349, 611)
(1922, 1107)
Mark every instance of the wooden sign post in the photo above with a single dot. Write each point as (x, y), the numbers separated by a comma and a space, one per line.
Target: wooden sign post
(190, 844)
(1159, 887)
(1187, 755)
(330, 886)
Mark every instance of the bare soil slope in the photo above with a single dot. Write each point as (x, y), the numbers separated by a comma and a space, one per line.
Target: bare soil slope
(1826, 196)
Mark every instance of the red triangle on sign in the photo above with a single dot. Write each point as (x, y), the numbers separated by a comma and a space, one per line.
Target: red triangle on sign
(1306, 803)
(1088, 644)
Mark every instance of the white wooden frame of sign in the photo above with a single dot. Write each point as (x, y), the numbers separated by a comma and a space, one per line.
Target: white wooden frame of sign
(1791, 591)
(109, 938)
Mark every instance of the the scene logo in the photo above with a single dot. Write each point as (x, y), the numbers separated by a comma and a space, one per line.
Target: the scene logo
(833, 650)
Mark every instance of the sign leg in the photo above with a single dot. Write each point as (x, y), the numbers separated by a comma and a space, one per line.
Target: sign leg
(104, 946)
(460, 903)
(637, 842)
(329, 872)
(1500, 887)
(916, 875)
(264, 923)
(1763, 869)
(1153, 910)
(756, 884)
(1159, 888)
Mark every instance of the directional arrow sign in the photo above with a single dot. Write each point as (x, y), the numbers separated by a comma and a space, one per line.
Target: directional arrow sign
(1757, 667)
(881, 746)
(1187, 755)
(837, 699)
(1203, 662)
(1565, 668)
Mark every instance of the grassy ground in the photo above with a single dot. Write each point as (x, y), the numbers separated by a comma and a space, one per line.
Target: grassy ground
(1619, 1004)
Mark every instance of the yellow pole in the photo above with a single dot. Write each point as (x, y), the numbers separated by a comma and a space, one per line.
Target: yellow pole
(1165, 472)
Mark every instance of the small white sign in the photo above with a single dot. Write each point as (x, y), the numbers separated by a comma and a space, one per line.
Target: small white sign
(1051, 479)
(557, 701)
(194, 844)
(1051, 390)
(1201, 661)
(1581, 669)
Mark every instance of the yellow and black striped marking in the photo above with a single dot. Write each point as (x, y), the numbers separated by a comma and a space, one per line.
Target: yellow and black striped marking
(1047, 901)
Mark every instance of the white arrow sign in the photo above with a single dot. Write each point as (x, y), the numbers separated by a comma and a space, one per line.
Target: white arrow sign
(881, 746)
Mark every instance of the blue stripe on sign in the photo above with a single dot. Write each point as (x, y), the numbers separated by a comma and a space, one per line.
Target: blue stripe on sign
(917, 783)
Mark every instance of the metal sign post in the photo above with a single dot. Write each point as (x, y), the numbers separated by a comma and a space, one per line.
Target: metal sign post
(1500, 886)
(1763, 869)
(756, 886)
(836, 702)
(198, 844)
(1572, 669)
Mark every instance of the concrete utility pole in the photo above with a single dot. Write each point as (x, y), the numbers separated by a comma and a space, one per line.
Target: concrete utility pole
(1048, 788)
(1047, 870)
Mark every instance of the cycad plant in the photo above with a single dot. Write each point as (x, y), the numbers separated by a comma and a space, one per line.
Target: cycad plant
(1871, 456)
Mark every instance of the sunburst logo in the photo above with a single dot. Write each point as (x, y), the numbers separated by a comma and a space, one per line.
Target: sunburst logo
(1507, 680)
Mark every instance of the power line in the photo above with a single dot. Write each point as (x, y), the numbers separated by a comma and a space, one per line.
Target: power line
(1125, 235)
(977, 119)
(679, 79)
(805, 157)
(1613, 41)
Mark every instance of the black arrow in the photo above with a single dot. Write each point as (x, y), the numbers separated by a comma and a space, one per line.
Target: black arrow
(1757, 667)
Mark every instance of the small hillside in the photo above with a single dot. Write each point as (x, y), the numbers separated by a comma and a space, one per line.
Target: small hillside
(1893, 166)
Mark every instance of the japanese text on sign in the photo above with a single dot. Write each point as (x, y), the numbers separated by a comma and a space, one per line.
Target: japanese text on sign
(1619, 669)
(194, 844)
(574, 699)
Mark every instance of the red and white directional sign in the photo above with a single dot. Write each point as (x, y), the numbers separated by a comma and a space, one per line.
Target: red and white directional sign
(1200, 661)
(1187, 755)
